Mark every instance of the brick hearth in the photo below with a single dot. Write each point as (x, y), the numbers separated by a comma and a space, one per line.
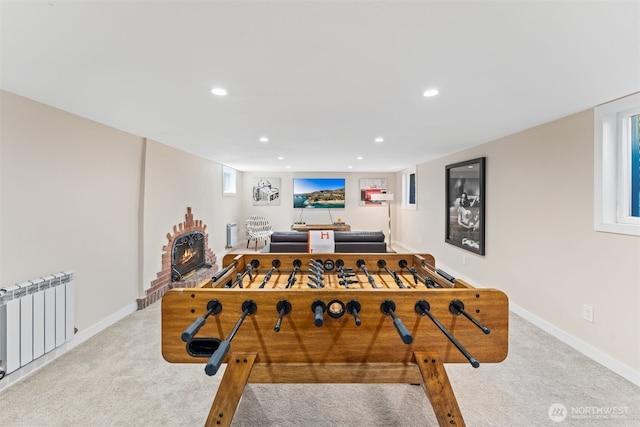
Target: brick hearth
(163, 282)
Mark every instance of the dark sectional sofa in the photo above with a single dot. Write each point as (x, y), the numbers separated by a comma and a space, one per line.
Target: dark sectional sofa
(345, 242)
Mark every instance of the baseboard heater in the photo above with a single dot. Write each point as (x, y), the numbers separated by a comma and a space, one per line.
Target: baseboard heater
(36, 317)
(232, 235)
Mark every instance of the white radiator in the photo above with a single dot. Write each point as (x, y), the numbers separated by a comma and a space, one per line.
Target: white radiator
(232, 235)
(35, 317)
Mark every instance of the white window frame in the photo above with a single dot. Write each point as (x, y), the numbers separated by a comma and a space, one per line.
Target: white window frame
(229, 181)
(405, 189)
(611, 168)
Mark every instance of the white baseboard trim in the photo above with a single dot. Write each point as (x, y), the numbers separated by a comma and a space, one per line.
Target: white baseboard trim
(579, 345)
(82, 336)
(78, 339)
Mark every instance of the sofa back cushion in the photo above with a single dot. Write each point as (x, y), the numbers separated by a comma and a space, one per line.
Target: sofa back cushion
(339, 236)
(359, 236)
(289, 236)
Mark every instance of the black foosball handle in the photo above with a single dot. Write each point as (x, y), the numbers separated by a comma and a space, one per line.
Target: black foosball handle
(214, 363)
(318, 318)
(318, 308)
(189, 333)
(353, 308)
(213, 307)
(388, 307)
(404, 333)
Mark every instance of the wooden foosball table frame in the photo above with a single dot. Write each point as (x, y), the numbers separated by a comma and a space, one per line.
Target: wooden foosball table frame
(408, 344)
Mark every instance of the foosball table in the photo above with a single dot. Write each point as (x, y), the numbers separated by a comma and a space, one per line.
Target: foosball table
(334, 318)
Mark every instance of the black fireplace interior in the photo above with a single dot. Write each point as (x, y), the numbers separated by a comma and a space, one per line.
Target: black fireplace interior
(187, 255)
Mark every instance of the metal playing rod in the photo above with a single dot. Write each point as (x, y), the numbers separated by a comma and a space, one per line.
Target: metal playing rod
(362, 265)
(423, 308)
(224, 271)
(292, 277)
(456, 307)
(248, 270)
(344, 274)
(416, 277)
(283, 307)
(213, 365)
(275, 264)
(383, 264)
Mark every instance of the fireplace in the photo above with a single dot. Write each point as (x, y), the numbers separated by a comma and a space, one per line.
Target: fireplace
(187, 260)
(187, 255)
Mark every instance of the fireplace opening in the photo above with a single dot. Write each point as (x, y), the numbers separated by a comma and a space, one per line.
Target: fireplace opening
(187, 255)
(187, 260)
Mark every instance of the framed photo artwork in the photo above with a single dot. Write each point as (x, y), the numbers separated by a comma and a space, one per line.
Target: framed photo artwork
(266, 192)
(370, 187)
(465, 194)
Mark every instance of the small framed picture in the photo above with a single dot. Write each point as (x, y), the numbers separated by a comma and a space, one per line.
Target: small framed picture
(370, 188)
(266, 192)
(465, 194)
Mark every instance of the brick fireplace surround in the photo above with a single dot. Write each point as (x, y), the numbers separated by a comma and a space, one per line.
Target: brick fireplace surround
(163, 282)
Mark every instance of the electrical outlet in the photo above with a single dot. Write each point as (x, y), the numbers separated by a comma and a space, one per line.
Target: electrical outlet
(587, 313)
(464, 259)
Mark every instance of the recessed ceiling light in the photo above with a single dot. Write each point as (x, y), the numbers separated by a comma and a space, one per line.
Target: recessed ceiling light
(288, 166)
(280, 158)
(218, 91)
(349, 167)
(264, 139)
(359, 157)
(379, 139)
(430, 92)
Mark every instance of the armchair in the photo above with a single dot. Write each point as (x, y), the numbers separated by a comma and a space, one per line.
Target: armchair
(258, 228)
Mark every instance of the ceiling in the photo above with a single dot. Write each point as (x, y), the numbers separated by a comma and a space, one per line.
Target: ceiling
(320, 79)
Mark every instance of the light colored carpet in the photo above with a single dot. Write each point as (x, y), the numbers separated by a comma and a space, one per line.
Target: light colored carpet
(119, 378)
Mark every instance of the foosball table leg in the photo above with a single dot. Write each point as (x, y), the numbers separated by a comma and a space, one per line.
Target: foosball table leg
(233, 382)
(438, 389)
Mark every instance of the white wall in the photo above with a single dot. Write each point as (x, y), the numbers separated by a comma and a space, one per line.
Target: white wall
(283, 215)
(173, 181)
(541, 248)
(69, 191)
(78, 195)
